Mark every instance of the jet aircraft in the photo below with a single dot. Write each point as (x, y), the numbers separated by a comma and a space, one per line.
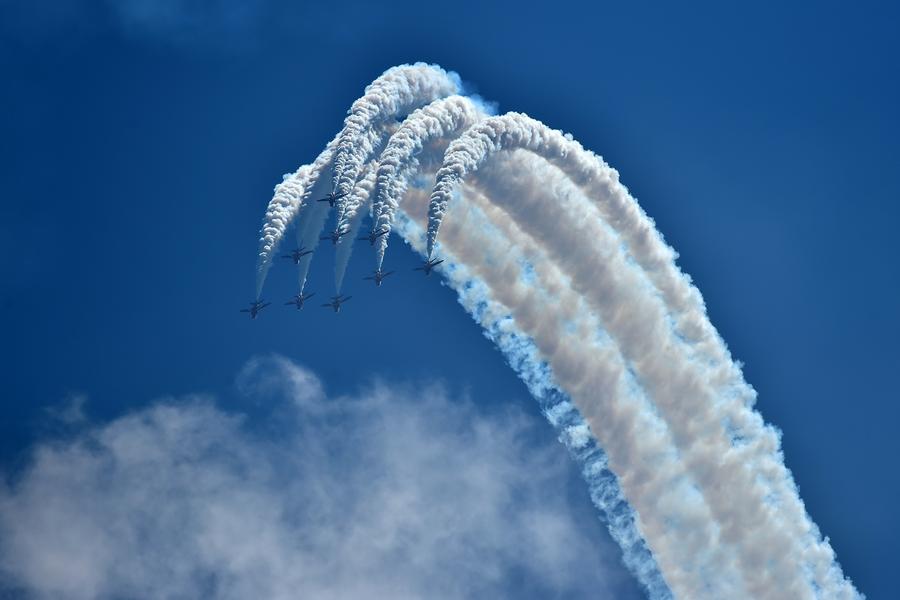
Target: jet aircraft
(255, 307)
(378, 276)
(297, 254)
(335, 235)
(373, 236)
(429, 265)
(336, 302)
(331, 198)
(299, 299)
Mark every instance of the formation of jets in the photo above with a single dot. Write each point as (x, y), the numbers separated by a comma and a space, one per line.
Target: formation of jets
(337, 301)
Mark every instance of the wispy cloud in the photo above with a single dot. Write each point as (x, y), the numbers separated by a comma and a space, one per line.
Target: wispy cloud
(400, 493)
(70, 412)
(221, 24)
(187, 21)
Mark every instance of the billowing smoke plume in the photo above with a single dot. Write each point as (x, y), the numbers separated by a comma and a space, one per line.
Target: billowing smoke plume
(291, 195)
(440, 120)
(555, 259)
(734, 479)
(283, 208)
(397, 92)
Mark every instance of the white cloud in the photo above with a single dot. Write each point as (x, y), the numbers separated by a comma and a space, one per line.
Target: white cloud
(394, 493)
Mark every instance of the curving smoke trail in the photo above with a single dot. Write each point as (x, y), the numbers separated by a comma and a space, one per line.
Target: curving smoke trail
(591, 370)
(746, 485)
(397, 92)
(489, 277)
(551, 254)
(442, 119)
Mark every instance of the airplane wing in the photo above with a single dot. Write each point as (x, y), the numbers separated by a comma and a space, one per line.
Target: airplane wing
(290, 302)
(308, 296)
(326, 305)
(262, 306)
(347, 298)
(437, 263)
(388, 273)
(245, 310)
(368, 278)
(419, 269)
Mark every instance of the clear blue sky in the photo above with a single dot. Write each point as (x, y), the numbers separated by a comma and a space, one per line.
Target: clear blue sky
(139, 151)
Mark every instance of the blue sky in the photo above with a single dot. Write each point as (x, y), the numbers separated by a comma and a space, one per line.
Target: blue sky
(141, 147)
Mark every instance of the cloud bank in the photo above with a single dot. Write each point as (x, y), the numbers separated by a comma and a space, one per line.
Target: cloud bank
(393, 492)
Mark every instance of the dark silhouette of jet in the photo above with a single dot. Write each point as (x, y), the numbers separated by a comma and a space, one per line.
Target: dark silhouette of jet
(336, 302)
(255, 307)
(335, 235)
(297, 254)
(378, 276)
(429, 265)
(373, 236)
(299, 299)
(331, 198)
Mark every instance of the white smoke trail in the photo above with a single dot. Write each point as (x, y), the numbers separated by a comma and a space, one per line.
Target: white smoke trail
(442, 119)
(282, 209)
(350, 220)
(396, 92)
(746, 484)
(308, 234)
(595, 376)
(287, 202)
(561, 229)
(528, 337)
(701, 468)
